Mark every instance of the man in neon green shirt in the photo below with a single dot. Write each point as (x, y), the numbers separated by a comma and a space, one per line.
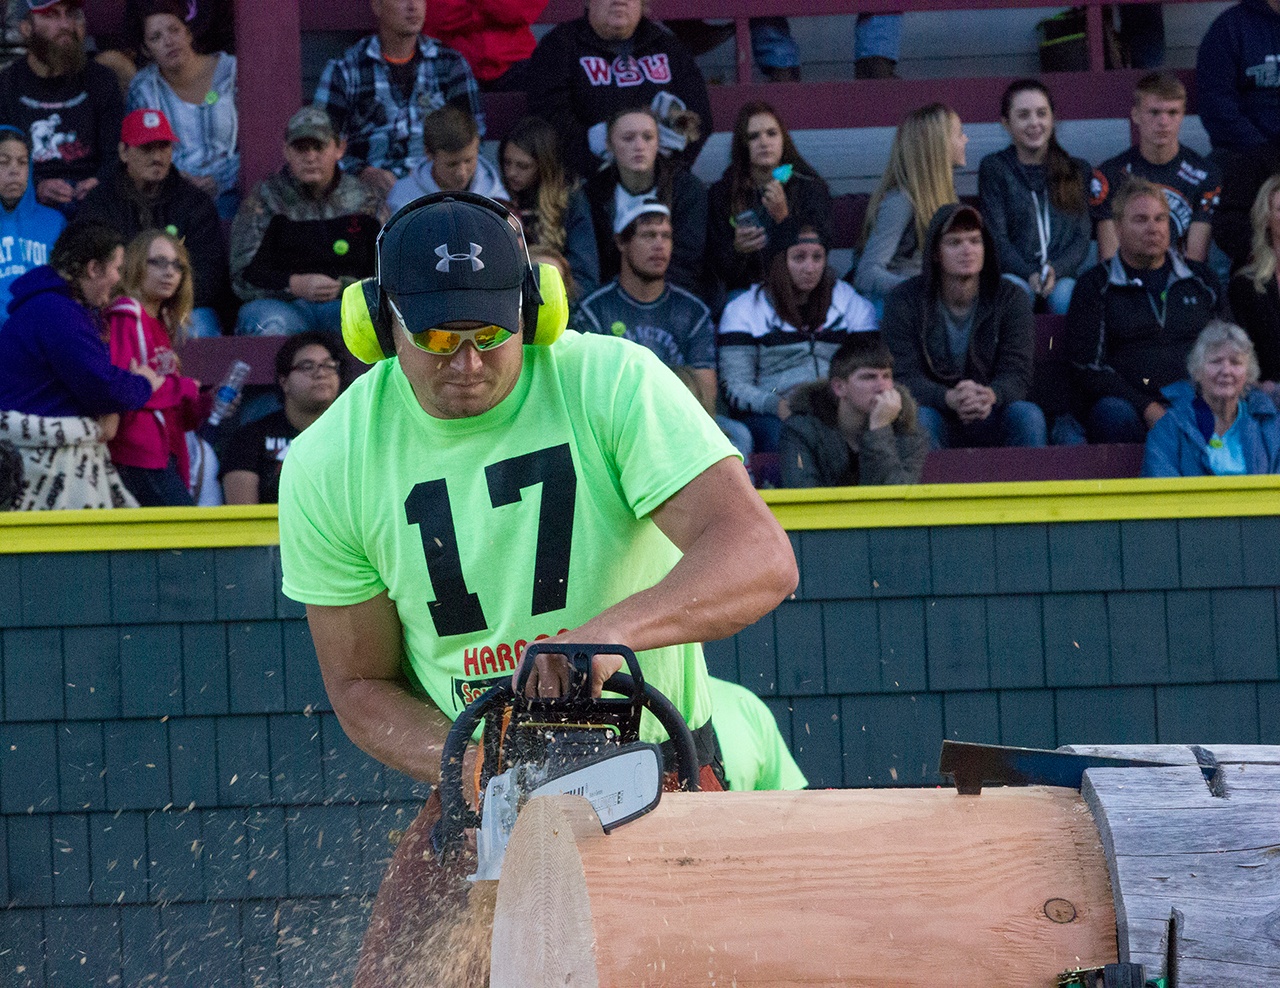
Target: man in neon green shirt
(755, 755)
(454, 505)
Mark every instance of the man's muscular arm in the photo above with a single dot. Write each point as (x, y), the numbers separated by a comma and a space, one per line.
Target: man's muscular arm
(359, 651)
(737, 566)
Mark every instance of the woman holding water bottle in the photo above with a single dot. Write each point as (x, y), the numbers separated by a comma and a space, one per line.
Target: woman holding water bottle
(145, 323)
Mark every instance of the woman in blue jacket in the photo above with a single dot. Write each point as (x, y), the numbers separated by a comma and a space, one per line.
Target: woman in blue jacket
(60, 395)
(1218, 423)
(27, 229)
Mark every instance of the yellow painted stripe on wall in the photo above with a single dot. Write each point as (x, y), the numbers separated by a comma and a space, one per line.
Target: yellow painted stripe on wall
(141, 528)
(921, 505)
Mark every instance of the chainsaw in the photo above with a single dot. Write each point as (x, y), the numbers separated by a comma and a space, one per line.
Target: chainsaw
(573, 744)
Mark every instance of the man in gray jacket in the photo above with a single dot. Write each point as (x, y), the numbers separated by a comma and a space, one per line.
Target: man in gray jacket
(855, 428)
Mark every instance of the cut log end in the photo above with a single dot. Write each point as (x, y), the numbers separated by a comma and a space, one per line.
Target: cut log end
(542, 930)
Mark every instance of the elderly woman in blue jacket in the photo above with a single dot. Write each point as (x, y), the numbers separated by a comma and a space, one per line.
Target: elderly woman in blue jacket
(1218, 423)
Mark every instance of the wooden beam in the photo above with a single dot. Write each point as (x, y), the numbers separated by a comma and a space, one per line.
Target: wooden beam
(269, 69)
(1195, 875)
(874, 888)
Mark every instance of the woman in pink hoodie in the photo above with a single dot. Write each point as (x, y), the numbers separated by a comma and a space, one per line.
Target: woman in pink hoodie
(145, 324)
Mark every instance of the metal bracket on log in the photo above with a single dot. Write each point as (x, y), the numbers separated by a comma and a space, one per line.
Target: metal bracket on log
(971, 765)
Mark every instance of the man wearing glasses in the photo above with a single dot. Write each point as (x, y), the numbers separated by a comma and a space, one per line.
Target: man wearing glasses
(308, 366)
(478, 492)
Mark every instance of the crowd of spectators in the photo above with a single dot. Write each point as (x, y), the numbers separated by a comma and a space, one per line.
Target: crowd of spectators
(927, 342)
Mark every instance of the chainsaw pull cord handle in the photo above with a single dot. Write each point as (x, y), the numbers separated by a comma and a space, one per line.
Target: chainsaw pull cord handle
(672, 721)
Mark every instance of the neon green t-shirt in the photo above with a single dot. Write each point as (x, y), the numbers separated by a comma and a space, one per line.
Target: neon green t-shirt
(490, 531)
(755, 756)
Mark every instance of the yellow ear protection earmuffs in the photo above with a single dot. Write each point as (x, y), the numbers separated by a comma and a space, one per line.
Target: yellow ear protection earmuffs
(367, 321)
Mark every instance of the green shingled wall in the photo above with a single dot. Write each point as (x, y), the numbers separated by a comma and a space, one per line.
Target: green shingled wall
(177, 799)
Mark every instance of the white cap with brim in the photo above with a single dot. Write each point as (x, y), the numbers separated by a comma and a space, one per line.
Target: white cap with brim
(635, 210)
(453, 260)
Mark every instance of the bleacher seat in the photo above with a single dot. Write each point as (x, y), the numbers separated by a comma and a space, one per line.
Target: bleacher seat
(208, 360)
(974, 466)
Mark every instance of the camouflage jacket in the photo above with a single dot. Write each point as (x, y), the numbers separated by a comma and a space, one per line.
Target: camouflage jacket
(280, 230)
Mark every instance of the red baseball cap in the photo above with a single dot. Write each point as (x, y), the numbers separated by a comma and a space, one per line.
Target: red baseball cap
(144, 126)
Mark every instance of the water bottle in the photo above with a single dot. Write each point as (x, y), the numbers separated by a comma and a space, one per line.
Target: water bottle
(228, 391)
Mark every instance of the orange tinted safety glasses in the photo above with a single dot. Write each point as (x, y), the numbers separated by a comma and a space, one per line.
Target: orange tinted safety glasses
(443, 342)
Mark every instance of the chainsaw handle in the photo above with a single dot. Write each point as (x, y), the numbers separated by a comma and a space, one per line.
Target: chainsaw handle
(672, 721)
(455, 817)
(580, 658)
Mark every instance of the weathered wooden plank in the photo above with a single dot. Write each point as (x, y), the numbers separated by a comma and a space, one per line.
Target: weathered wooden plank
(1171, 844)
(1196, 830)
(1215, 969)
(1212, 934)
(1250, 778)
(1245, 877)
(1253, 754)
(1181, 754)
(1242, 786)
(1171, 754)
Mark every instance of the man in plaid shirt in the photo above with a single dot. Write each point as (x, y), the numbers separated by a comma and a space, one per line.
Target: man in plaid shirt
(382, 87)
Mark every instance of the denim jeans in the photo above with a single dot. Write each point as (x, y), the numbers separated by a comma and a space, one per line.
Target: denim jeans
(1066, 430)
(156, 488)
(772, 46)
(203, 324)
(1058, 299)
(737, 433)
(771, 43)
(228, 204)
(1020, 423)
(276, 317)
(1114, 420)
(766, 431)
(878, 34)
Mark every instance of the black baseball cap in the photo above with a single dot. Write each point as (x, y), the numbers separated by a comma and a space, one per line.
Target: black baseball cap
(449, 259)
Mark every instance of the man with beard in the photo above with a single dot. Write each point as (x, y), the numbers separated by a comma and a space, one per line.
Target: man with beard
(70, 108)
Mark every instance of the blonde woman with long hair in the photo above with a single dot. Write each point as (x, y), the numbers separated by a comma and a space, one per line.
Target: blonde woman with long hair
(918, 181)
(553, 209)
(1255, 290)
(145, 324)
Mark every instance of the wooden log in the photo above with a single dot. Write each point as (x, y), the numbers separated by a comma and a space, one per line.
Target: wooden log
(865, 887)
(1199, 868)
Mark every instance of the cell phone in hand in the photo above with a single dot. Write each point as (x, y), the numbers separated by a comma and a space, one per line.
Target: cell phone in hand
(748, 217)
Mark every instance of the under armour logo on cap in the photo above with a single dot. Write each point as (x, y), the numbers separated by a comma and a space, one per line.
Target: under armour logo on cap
(151, 120)
(442, 252)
